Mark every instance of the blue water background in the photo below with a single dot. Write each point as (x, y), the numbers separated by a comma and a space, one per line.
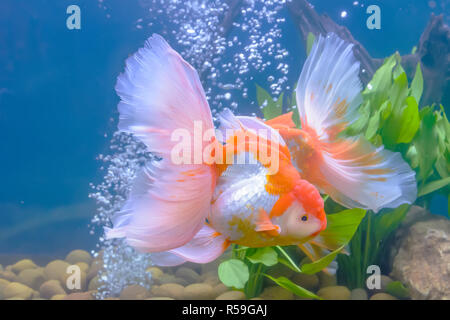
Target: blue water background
(58, 105)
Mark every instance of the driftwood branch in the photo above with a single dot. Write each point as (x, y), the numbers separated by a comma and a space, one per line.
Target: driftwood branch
(308, 20)
(433, 53)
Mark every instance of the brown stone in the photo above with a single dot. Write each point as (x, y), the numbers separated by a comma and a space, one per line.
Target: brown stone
(79, 256)
(23, 265)
(79, 296)
(32, 278)
(232, 295)
(134, 292)
(334, 293)
(382, 296)
(51, 288)
(199, 291)
(276, 293)
(172, 290)
(17, 290)
(423, 259)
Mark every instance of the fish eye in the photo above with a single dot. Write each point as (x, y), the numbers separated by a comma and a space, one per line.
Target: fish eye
(304, 218)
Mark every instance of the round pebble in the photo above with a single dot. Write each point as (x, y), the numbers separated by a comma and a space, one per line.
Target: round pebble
(32, 278)
(79, 296)
(95, 267)
(188, 274)
(199, 291)
(172, 290)
(58, 297)
(17, 290)
(51, 288)
(211, 278)
(219, 289)
(155, 272)
(23, 265)
(358, 294)
(83, 266)
(3, 284)
(134, 292)
(79, 256)
(93, 284)
(307, 281)
(8, 275)
(334, 293)
(326, 280)
(232, 295)
(276, 293)
(382, 296)
(56, 270)
(169, 278)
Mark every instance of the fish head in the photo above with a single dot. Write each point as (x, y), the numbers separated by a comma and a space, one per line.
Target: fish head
(305, 218)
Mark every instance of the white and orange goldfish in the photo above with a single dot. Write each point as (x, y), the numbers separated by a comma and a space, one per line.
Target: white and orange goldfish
(192, 211)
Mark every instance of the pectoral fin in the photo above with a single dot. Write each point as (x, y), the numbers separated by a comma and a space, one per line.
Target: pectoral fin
(264, 224)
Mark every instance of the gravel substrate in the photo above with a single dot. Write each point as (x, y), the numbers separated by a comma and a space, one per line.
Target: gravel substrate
(25, 280)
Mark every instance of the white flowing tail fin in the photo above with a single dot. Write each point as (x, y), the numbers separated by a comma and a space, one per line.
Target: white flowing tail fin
(161, 93)
(351, 170)
(206, 246)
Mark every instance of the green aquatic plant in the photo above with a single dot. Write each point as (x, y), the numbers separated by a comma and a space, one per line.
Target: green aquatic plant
(369, 246)
(247, 267)
(390, 116)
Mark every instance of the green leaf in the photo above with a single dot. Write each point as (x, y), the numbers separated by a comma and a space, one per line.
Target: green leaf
(417, 84)
(442, 167)
(425, 143)
(374, 124)
(397, 289)
(377, 89)
(267, 256)
(398, 70)
(233, 273)
(340, 228)
(287, 260)
(387, 222)
(412, 156)
(361, 122)
(294, 288)
(270, 108)
(398, 92)
(409, 122)
(309, 42)
(433, 186)
(322, 263)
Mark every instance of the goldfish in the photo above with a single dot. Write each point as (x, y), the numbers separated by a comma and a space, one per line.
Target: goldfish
(193, 210)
